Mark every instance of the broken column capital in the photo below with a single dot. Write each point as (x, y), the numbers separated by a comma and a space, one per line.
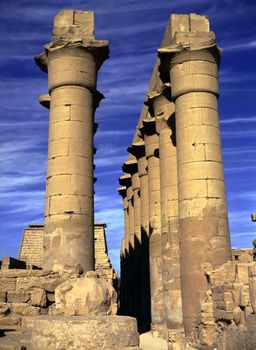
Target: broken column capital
(130, 166)
(137, 149)
(74, 29)
(45, 100)
(196, 47)
(148, 131)
(122, 191)
(125, 180)
(148, 127)
(74, 56)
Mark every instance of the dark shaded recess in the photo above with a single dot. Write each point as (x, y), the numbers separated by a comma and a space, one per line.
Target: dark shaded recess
(135, 283)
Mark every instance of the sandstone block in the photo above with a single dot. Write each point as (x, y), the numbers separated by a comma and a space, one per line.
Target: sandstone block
(38, 297)
(244, 296)
(4, 309)
(86, 295)
(24, 309)
(84, 333)
(9, 344)
(10, 320)
(242, 273)
(3, 296)
(7, 284)
(251, 331)
(21, 296)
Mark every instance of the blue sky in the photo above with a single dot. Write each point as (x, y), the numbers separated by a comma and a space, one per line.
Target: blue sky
(135, 29)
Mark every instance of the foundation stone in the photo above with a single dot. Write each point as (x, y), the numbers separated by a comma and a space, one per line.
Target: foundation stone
(85, 333)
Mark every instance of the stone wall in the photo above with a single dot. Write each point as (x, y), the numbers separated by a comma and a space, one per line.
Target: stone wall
(103, 264)
(244, 255)
(26, 293)
(31, 250)
(227, 306)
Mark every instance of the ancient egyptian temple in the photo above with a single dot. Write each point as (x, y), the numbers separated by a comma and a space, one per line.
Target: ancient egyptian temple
(180, 281)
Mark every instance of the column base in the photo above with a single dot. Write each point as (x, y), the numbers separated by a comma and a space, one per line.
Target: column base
(85, 333)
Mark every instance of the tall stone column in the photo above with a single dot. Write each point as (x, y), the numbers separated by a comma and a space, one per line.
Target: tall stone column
(148, 132)
(163, 110)
(125, 180)
(204, 231)
(124, 253)
(137, 149)
(131, 167)
(72, 60)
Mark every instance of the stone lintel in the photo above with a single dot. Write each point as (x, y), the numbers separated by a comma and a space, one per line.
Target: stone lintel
(130, 166)
(45, 100)
(125, 180)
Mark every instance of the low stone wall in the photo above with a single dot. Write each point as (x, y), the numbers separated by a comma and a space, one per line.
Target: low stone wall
(226, 307)
(26, 293)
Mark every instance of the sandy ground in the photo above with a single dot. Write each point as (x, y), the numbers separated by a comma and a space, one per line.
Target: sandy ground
(148, 342)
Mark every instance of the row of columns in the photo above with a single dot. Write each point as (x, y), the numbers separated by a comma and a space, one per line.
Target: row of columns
(179, 198)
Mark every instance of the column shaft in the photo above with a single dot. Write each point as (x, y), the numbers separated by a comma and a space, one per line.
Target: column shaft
(155, 248)
(205, 241)
(72, 73)
(165, 123)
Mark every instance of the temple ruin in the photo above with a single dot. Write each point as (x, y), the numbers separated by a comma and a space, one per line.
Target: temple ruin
(200, 291)
(180, 279)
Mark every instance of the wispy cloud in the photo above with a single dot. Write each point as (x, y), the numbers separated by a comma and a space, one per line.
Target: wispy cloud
(238, 120)
(242, 46)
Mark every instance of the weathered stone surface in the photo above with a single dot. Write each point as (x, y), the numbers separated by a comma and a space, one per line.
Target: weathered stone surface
(10, 320)
(4, 309)
(86, 295)
(48, 282)
(84, 333)
(24, 309)
(3, 297)
(7, 284)
(9, 344)
(21, 296)
(38, 297)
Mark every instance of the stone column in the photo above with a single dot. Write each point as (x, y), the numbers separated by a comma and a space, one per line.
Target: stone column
(203, 220)
(72, 60)
(123, 192)
(148, 132)
(123, 255)
(164, 111)
(137, 149)
(125, 180)
(131, 167)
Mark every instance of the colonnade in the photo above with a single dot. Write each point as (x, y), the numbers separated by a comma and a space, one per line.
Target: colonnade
(176, 223)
